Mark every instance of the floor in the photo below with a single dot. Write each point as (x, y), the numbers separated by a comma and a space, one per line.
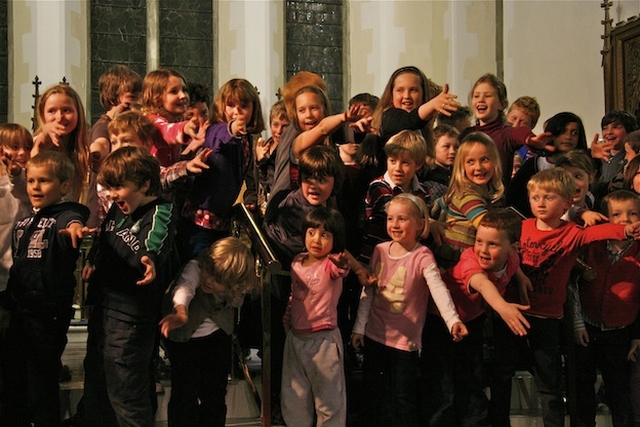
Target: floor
(242, 409)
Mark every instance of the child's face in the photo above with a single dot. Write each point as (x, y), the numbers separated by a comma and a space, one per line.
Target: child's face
(211, 286)
(446, 148)
(582, 180)
(59, 108)
(18, 151)
(175, 99)
(629, 152)
(126, 100)
(623, 211)
(485, 103)
(568, 140)
(636, 181)
(547, 206)
(402, 224)
(492, 248)
(129, 196)
(350, 149)
(407, 92)
(319, 242)
(278, 125)
(518, 117)
(235, 108)
(309, 110)
(44, 187)
(401, 169)
(317, 190)
(199, 110)
(616, 133)
(127, 139)
(478, 167)
(517, 164)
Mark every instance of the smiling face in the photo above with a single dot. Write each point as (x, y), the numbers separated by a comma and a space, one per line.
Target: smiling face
(547, 206)
(317, 190)
(175, 98)
(309, 110)
(401, 169)
(319, 242)
(614, 132)
(492, 248)
(568, 140)
(129, 196)
(478, 167)
(402, 224)
(445, 150)
(18, 151)
(407, 92)
(60, 108)
(623, 211)
(485, 103)
(278, 125)
(518, 117)
(44, 187)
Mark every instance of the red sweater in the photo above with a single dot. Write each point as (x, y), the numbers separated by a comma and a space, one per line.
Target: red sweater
(548, 256)
(613, 297)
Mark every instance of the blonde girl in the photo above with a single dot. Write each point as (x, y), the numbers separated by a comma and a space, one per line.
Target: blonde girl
(476, 184)
(391, 315)
(62, 127)
(165, 101)
(206, 213)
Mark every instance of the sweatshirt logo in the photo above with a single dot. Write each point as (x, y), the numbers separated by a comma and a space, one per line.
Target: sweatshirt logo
(129, 239)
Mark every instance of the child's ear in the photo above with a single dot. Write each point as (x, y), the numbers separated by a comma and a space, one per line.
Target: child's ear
(65, 187)
(515, 247)
(144, 188)
(504, 104)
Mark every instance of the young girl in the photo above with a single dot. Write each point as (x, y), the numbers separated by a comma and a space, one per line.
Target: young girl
(198, 329)
(62, 127)
(391, 315)
(580, 165)
(313, 381)
(164, 101)
(488, 102)
(475, 185)
(568, 134)
(312, 125)
(206, 213)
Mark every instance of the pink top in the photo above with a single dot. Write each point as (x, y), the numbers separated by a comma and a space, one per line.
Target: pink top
(168, 149)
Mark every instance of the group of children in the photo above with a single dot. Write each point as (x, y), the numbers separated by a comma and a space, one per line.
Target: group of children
(392, 233)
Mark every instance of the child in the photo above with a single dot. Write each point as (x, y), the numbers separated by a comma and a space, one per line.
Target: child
(127, 267)
(266, 152)
(206, 214)
(568, 134)
(454, 371)
(615, 126)
(632, 176)
(441, 164)
(475, 185)
(199, 101)
(524, 111)
(391, 316)
(165, 101)
(198, 329)
(459, 119)
(62, 127)
(549, 248)
(605, 322)
(580, 165)
(40, 292)
(119, 89)
(632, 149)
(313, 381)
(488, 101)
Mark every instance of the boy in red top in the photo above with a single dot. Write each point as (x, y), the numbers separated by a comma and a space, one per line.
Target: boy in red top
(549, 247)
(606, 324)
(454, 374)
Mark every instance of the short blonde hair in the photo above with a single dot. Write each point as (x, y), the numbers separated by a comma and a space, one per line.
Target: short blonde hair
(410, 142)
(61, 165)
(554, 180)
(230, 262)
(137, 123)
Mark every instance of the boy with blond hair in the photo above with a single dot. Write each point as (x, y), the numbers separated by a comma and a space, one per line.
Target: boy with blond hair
(524, 111)
(549, 247)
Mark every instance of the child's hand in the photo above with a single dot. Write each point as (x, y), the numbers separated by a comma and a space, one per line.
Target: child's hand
(353, 114)
(196, 165)
(366, 278)
(87, 271)
(590, 218)
(357, 341)
(239, 125)
(149, 272)
(53, 130)
(459, 331)
(632, 231)
(363, 125)
(262, 148)
(581, 337)
(601, 151)
(542, 142)
(191, 127)
(175, 320)
(445, 102)
(196, 142)
(77, 231)
(341, 260)
(512, 316)
(634, 351)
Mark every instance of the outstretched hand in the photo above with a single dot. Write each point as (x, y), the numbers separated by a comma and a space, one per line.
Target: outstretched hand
(445, 103)
(76, 231)
(198, 164)
(149, 272)
(513, 317)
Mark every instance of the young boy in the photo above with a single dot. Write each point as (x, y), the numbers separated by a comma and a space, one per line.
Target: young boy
(480, 278)
(549, 248)
(606, 316)
(198, 328)
(40, 293)
(127, 268)
(615, 126)
(524, 111)
(446, 138)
